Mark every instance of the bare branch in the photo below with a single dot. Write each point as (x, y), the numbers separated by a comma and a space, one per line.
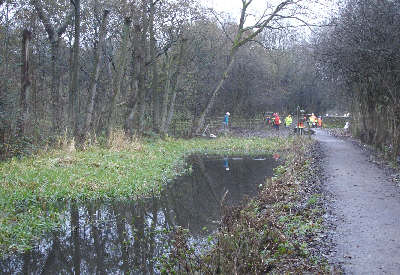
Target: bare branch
(45, 20)
(66, 23)
(280, 7)
(222, 25)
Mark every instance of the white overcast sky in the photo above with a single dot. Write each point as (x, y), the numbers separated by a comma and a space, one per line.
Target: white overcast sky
(233, 7)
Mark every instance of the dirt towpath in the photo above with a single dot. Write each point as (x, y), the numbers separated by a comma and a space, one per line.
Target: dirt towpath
(367, 205)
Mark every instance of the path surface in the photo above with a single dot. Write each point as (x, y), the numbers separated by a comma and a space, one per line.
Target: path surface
(368, 206)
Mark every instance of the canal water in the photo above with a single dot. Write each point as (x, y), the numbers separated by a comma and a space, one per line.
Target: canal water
(122, 237)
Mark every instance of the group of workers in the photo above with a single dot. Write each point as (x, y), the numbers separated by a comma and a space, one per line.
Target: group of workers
(313, 121)
(274, 121)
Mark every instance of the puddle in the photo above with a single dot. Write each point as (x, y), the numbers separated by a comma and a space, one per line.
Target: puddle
(129, 237)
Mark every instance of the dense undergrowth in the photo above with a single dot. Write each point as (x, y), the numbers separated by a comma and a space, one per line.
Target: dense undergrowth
(275, 233)
(335, 122)
(32, 186)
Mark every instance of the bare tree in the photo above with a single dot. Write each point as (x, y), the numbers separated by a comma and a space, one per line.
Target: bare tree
(170, 67)
(96, 73)
(171, 88)
(142, 48)
(73, 106)
(54, 35)
(154, 67)
(360, 49)
(243, 35)
(117, 77)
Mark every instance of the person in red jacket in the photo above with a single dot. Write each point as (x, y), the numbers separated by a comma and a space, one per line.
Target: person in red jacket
(277, 121)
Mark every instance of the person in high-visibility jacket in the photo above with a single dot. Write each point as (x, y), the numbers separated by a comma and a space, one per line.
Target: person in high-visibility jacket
(313, 120)
(300, 125)
(319, 122)
(288, 121)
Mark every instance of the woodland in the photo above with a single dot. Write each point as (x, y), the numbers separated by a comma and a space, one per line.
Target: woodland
(84, 68)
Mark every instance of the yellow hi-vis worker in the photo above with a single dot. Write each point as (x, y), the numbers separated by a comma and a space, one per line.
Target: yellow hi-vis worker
(288, 120)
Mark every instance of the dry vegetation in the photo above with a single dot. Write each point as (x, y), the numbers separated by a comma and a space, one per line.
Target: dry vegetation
(277, 232)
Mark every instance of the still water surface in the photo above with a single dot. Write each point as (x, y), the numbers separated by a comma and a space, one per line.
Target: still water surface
(129, 237)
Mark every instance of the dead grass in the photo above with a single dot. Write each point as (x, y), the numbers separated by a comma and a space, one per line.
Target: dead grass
(269, 234)
(119, 141)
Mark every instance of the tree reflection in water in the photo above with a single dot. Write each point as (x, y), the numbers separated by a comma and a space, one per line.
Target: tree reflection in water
(122, 237)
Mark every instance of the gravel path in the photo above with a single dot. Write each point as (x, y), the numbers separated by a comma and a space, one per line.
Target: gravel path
(367, 206)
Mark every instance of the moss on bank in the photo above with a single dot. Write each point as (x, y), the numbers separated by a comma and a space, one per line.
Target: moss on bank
(31, 186)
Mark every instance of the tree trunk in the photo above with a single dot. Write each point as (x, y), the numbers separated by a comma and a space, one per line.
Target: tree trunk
(95, 74)
(167, 91)
(137, 66)
(74, 94)
(143, 69)
(199, 123)
(121, 63)
(142, 100)
(101, 119)
(171, 85)
(156, 99)
(170, 111)
(154, 69)
(54, 38)
(5, 125)
(55, 88)
(25, 84)
(132, 105)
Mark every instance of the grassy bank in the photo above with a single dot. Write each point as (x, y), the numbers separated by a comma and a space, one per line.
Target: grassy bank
(275, 233)
(31, 186)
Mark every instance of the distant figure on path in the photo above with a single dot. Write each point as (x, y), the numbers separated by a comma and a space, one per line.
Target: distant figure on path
(226, 120)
